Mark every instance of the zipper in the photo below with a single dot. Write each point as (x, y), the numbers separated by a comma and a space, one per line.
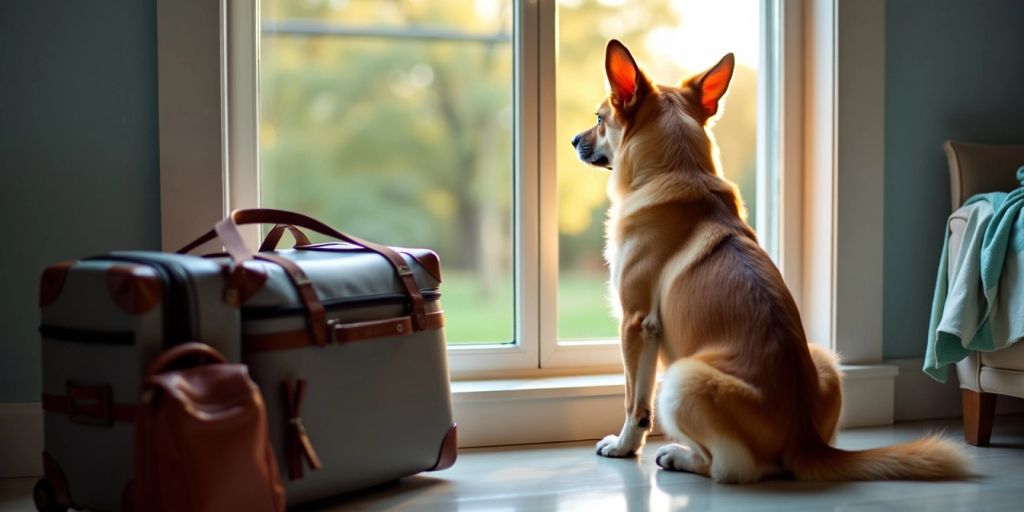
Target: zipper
(382, 299)
(178, 316)
(95, 336)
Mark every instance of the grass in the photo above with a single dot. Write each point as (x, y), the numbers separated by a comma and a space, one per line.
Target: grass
(472, 317)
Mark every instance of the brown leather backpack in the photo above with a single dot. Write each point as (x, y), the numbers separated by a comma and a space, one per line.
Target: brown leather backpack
(201, 437)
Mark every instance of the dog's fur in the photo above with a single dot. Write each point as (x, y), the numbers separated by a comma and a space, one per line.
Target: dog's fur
(743, 392)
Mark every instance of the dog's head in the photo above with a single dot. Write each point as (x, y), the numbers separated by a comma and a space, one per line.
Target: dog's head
(667, 123)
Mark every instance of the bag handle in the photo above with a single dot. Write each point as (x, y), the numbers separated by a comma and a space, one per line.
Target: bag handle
(227, 231)
(176, 354)
(274, 237)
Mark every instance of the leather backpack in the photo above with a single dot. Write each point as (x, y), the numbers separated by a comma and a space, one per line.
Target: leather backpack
(201, 437)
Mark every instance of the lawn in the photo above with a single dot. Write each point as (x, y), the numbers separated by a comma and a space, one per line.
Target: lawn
(472, 318)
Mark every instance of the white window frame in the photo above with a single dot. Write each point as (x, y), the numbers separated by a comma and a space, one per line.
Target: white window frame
(829, 227)
(843, 174)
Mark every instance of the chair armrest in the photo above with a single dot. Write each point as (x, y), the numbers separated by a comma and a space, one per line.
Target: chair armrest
(957, 225)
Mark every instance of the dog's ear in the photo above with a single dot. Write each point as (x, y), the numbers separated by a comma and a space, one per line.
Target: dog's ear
(713, 83)
(627, 82)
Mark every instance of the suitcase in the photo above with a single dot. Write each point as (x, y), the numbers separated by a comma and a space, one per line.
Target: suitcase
(102, 320)
(345, 341)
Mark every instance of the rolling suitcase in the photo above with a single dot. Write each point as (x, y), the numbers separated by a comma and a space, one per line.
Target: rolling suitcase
(345, 341)
(103, 320)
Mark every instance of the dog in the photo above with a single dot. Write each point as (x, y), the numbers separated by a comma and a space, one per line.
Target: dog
(743, 393)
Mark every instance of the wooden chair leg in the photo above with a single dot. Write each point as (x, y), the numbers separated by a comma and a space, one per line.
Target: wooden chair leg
(979, 411)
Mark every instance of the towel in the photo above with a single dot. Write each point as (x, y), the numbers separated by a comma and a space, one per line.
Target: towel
(983, 309)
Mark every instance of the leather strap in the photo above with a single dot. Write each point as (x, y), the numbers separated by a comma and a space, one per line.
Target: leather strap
(315, 313)
(242, 282)
(227, 231)
(425, 257)
(177, 353)
(340, 333)
(298, 446)
(343, 333)
(274, 237)
(89, 405)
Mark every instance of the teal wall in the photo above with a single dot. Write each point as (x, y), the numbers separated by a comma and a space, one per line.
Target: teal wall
(78, 153)
(954, 70)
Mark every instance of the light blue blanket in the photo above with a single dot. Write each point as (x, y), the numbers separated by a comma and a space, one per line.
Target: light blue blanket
(983, 309)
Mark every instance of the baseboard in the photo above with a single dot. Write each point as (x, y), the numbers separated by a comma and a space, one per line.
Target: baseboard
(521, 411)
(497, 423)
(919, 397)
(868, 395)
(21, 434)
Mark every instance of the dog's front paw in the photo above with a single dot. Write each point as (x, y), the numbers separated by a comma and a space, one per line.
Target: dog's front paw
(612, 446)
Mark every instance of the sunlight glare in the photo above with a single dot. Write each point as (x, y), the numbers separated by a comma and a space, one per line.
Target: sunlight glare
(707, 31)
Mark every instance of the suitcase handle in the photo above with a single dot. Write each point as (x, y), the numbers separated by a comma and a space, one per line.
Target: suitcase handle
(176, 354)
(274, 236)
(227, 231)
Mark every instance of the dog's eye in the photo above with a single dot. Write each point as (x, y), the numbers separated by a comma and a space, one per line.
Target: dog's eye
(600, 119)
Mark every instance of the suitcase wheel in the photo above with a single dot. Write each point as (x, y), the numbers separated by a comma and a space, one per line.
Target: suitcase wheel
(46, 498)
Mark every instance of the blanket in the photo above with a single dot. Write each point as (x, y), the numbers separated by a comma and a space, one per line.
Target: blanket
(983, 308)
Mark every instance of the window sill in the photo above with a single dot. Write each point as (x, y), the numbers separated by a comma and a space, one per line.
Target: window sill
(609, 384)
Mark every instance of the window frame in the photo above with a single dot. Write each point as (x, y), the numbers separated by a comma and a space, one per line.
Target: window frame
(843, 172)
(225, 170)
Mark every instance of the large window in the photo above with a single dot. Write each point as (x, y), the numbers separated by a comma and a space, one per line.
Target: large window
(817, 181)
(394, 120)
(446, 124)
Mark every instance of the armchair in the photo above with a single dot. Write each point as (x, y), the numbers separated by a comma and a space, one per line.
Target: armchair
(973, 169)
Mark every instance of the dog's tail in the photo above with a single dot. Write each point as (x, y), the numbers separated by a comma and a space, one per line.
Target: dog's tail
(930, 458)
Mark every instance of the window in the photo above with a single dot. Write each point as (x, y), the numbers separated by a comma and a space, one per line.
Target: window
(820, 171)
(394, 121)
(447, 124)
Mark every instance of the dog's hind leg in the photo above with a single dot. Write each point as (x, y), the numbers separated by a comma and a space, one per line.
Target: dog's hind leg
(641, 336)
(687, 455)
(830, 391)
(703, 408)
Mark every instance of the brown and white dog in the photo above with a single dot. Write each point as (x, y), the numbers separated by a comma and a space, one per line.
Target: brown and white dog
(743, 391)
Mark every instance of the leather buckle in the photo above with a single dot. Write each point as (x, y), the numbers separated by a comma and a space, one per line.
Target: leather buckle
(332, 330)
(90, 404)
(404, 270)
(421, 320)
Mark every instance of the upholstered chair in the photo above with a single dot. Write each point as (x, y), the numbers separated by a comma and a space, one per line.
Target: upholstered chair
(973, 169)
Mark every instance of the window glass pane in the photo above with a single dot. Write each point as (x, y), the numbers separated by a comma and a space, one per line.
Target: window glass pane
(394, 121)
(672, 39)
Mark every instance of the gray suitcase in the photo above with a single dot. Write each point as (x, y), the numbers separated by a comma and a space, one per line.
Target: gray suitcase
(344, 339)
(102, 320)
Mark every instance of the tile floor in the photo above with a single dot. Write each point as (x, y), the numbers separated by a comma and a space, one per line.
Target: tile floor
(569, 477)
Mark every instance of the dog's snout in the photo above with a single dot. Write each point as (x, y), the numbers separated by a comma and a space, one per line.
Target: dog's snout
(576, 139)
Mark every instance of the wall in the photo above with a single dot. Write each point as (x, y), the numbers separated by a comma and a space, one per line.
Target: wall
(954, 70)
(78, 153)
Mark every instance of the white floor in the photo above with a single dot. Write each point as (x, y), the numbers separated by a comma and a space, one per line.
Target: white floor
(569, 477)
